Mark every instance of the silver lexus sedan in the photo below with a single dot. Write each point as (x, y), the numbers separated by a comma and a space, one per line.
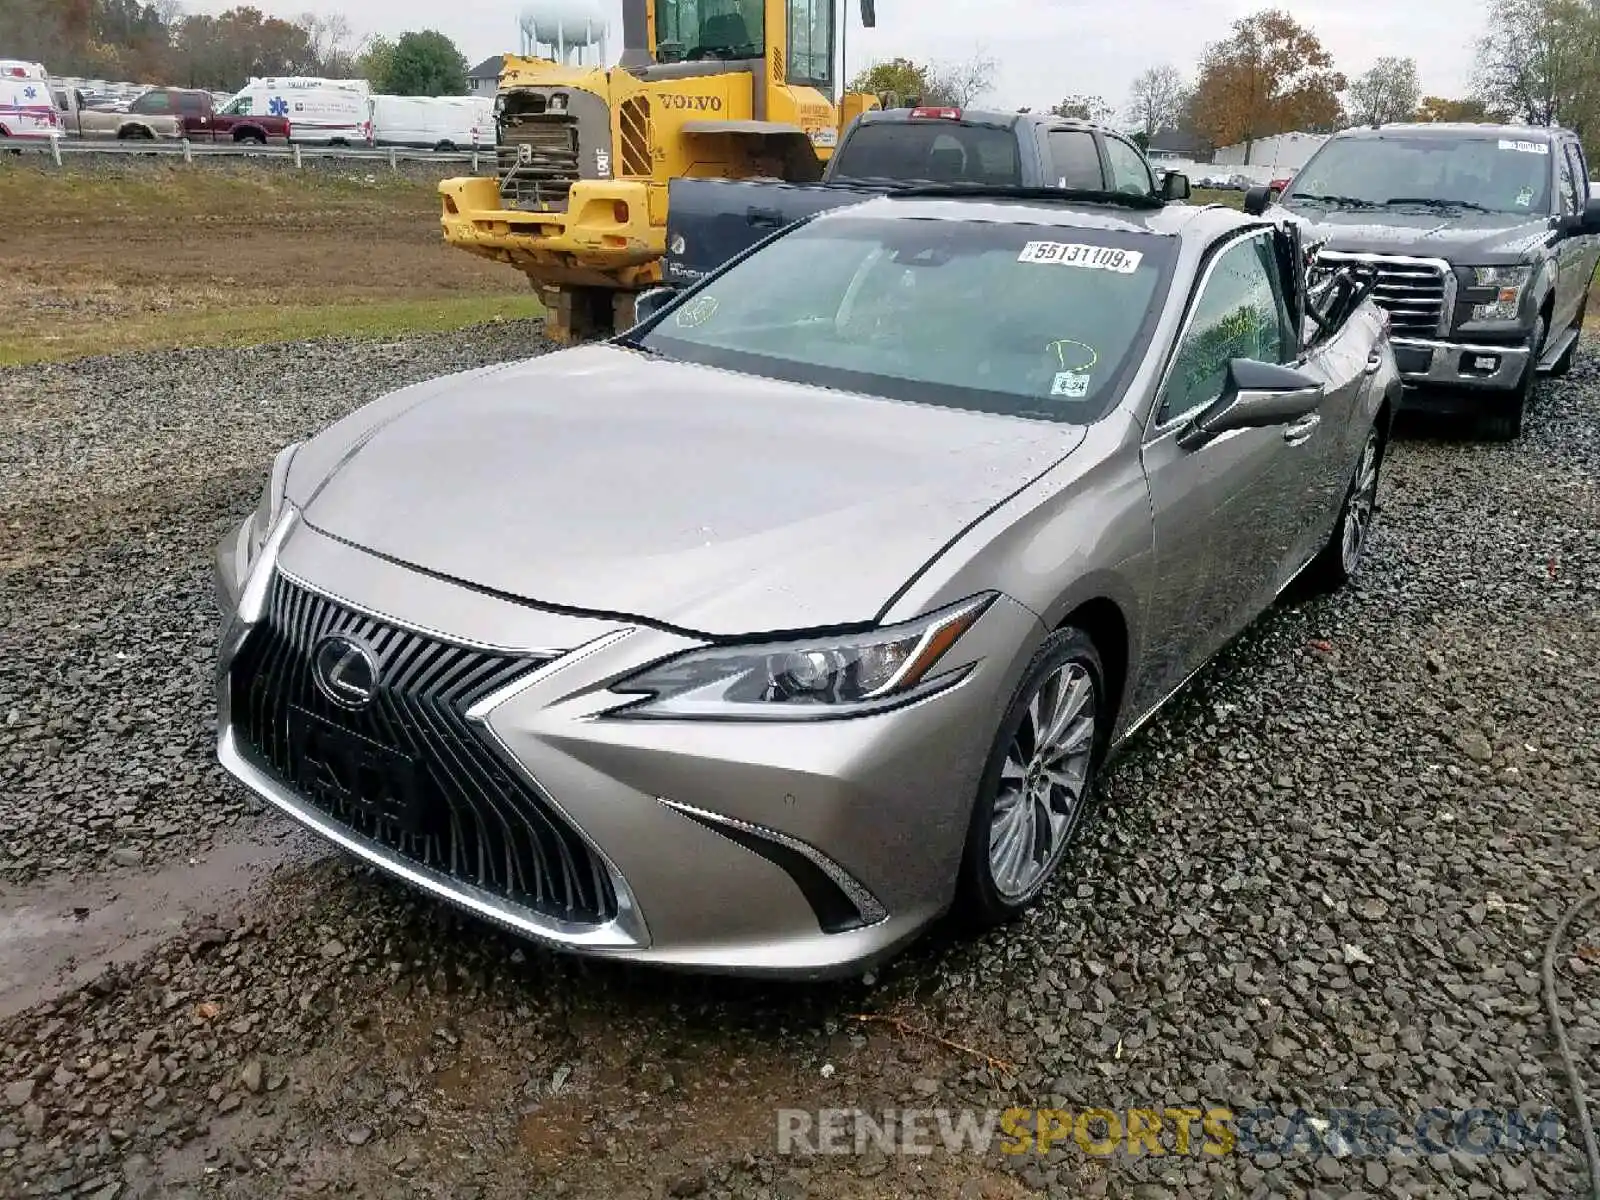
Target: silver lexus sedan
(756, 639)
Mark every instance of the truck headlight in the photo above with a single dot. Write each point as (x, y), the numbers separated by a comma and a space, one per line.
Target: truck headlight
(845, 676)
(1509, 283)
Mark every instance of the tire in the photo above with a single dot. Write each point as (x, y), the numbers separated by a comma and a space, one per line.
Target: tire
(987, 897)
(1563, 365)
(136, 134)
(1340, 558)
(1502, 420)
(251, 139)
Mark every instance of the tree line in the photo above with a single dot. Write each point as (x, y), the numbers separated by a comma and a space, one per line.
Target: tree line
(1272, 75)
(157, 42)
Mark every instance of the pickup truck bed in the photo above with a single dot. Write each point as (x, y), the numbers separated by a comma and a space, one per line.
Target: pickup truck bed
(710, 221)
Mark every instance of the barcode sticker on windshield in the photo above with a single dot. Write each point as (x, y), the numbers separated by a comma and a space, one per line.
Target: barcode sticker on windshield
(1076, 254)
(1524, 147)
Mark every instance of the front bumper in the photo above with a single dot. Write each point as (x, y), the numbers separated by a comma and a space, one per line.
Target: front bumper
(1425, 362)
(730, 846)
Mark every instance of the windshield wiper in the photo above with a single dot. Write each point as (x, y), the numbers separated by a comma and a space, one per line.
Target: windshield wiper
(1429, 202)
(1339, 201)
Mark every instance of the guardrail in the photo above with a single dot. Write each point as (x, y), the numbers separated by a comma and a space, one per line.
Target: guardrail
(59, 149)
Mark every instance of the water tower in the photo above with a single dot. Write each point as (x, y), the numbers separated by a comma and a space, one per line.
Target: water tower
(572, 32)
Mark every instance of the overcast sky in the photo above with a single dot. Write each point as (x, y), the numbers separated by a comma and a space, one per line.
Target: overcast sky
(1046, 48)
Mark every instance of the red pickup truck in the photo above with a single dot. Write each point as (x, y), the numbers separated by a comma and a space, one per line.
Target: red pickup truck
(202, 121)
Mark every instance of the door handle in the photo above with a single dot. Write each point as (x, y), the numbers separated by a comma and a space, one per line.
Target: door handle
(1301, 431)
(763, 218)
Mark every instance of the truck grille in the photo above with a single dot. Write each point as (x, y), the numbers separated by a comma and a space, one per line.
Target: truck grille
(408, 770)
(538, 162)
(1416, 293)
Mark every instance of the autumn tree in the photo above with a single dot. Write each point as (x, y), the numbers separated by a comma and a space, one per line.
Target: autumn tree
(1390, 91)
(1156, 100)
(1272, 75)
(1084, 108)
(902, 81)
(1434, 109)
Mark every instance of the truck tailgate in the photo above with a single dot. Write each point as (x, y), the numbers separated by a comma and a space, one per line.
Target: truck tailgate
(719, 218)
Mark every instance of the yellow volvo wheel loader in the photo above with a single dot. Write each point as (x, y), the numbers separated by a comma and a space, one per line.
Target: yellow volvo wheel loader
(730, 89)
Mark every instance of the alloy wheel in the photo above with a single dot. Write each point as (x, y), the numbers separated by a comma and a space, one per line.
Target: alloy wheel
(1358, 513)
(1043, 782)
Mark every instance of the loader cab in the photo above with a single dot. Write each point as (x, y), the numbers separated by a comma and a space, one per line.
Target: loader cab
(717, 32)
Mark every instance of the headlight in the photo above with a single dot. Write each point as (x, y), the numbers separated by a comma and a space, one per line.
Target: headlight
(270, 508)
(847, 676)
(1509, 282)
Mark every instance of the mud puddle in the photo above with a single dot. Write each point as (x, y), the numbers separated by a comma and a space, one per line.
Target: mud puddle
(57, 934)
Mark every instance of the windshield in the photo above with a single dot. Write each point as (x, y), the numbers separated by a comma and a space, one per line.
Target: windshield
(697, 29)
(929, 152)
(1024, 320)
(1496, 174)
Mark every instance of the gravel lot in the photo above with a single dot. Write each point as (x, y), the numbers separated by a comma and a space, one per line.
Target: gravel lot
(1323, 879)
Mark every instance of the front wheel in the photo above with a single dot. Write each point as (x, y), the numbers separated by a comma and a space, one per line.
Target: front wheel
(1339, 560)
(1037, 783)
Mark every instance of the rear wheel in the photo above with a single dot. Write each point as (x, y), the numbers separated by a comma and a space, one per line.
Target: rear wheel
(1037, 783)
(251, 139)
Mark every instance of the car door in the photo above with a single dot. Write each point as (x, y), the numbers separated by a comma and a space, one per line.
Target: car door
(1226, 521)
(1577, 252)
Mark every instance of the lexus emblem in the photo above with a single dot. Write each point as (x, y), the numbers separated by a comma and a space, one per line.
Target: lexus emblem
(345, 671)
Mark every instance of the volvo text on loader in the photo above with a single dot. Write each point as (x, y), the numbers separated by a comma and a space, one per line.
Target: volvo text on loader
(729, 89)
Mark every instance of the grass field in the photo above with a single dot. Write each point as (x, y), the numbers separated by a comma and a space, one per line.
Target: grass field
(97, 260)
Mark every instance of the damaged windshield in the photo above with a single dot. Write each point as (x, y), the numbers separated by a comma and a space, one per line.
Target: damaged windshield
(1038, 321)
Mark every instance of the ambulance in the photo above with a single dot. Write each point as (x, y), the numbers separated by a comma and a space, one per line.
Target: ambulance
(27, 109)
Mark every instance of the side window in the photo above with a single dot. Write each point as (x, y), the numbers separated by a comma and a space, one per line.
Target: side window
(1580, 171)
(189, 102)
(1239, 314)
(1129, 171)
(1077, 161)
(1569, 185)
(152, 102)
(239, 108)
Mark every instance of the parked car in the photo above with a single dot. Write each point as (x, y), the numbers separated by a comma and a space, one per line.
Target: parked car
(79, 120)
(1485, 239)
(200, 120)
(443, 123)
(758, 637)
(711, 220)
(26, 107)
(319, 113)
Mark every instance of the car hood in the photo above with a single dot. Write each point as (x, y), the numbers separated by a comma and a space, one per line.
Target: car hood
(1479, 238)
(602, 480)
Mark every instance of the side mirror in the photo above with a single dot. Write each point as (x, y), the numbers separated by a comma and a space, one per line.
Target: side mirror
(1256, 395)
(1175, 186)
(1258, 199)
(651, 301)
(1588, 221)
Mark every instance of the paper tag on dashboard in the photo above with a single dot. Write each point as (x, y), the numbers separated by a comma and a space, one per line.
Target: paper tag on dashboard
(1072, 384)
(1524, 147)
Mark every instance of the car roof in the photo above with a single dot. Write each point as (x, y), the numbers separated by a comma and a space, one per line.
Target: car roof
(1202, 221)
(1523, 133)
(982, 116)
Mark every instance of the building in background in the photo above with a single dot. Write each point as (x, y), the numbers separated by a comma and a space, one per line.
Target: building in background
(1283, 151)
(484, 79)
(1178, 144)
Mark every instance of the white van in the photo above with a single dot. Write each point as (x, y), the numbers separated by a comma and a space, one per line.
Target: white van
(318, 115)
(433, 122)
(27, 109)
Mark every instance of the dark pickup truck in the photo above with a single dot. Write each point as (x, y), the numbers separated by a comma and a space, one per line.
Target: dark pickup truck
(710, 221)
(202, 121)
(1484, 239)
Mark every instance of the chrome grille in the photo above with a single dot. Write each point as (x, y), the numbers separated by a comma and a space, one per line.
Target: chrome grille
(538, 161)
(1417, 293)
(465, 813)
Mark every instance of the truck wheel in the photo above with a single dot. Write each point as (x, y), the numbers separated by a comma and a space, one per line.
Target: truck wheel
(251, 139)
(1502, 421)
(1563, 364)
